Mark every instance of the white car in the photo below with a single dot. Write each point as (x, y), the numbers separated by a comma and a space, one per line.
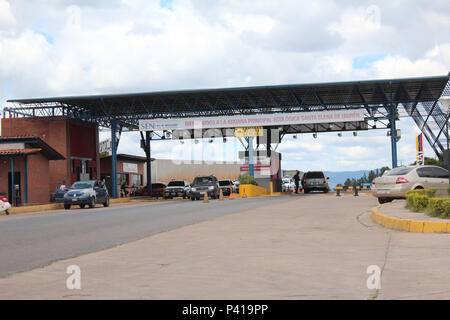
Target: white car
(288, 184)
(4, 204)
(395, 183)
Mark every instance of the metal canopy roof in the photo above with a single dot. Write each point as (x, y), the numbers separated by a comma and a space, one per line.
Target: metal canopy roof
(244, 100)
(418, 98)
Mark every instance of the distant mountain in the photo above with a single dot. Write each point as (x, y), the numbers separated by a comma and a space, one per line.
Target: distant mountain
(341, 176)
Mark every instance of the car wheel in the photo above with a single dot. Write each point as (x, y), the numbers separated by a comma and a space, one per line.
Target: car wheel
(192, 198)
(82, 206)
(106, 204)
(384, 200)
(306, 190)
(66, 206)
(325, 190)
(92, 203)
(197, 198)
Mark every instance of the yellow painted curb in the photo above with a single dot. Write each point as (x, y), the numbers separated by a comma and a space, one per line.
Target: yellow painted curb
(120, 200)
(41, 207)
(408, 224)
(53, 206)
(437, 227)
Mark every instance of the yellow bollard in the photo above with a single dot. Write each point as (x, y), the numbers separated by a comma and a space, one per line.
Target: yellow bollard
(205, 198)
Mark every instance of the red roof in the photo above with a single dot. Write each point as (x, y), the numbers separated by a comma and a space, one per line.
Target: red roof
(11, 152)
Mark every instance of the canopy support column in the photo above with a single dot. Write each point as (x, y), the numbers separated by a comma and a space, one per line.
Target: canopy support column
(12, 181)
(25, 177)
(250, 157)
(148, 138)
(393, 137)
(114, 158)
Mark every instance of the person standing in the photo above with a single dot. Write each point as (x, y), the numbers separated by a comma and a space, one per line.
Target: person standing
(297, 181)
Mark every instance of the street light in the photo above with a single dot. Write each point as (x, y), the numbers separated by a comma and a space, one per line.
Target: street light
(445, 106)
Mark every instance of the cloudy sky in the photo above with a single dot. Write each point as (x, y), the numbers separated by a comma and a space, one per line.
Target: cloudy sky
(62, 47)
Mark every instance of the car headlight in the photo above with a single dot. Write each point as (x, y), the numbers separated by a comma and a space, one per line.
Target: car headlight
(211, 188)
(86, 194)
(193, 189)
(66, 195)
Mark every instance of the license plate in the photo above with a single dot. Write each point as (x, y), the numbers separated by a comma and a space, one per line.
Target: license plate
(383, 191)
(74, 199)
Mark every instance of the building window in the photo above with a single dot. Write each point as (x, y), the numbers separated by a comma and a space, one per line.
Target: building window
(136, 179)
(122, 178)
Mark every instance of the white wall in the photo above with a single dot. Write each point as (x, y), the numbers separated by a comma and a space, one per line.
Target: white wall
(165, 170)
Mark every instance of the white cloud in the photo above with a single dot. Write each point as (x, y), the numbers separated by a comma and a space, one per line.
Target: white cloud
(7, 20)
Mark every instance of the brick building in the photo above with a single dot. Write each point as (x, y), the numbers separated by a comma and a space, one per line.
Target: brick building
(29, 157)
(130, 170)
(75, 141)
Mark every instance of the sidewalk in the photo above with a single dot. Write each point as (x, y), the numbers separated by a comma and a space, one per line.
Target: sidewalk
(397, 209)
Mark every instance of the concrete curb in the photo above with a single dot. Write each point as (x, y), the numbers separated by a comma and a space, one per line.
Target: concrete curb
(409, 225)
(53, 206)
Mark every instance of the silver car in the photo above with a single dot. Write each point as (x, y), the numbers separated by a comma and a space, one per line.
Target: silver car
(395, 183)
(315, 180)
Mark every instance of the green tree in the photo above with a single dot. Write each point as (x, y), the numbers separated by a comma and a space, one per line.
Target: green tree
(383, 170)
(371, 176)
(431, 162)
(347, 182)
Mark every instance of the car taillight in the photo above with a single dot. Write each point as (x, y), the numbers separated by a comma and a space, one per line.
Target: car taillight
(401, 180)
(304, 181)
(324, 180)
(373, 182)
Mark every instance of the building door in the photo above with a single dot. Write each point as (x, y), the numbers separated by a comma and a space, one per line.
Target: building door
(17, 188)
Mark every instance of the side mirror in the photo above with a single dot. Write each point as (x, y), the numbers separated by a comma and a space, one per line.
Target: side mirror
(328, 178)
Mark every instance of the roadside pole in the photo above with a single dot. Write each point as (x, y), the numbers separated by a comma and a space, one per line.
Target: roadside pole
(250, 157)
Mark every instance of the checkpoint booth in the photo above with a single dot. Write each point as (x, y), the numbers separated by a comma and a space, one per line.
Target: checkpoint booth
(267, 168)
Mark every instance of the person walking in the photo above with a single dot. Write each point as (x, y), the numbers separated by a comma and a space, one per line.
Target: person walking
(297, 181)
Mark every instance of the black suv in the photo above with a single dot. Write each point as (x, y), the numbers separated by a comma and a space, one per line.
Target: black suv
(315, 180)
(204, 184)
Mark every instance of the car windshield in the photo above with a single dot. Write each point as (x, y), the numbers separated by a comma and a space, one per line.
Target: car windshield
(314, 175)
(224, 183)
(399, 171)
(176, 184)
(286, 180)
(157, 185)
(82, 185)
(203, 180)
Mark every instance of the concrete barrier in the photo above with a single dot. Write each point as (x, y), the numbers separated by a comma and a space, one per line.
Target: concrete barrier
(252, 190)
(408, 224)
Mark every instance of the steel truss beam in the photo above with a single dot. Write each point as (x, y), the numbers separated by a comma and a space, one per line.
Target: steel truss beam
(375, 97)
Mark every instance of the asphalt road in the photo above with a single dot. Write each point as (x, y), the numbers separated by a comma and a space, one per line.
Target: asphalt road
(28, 241)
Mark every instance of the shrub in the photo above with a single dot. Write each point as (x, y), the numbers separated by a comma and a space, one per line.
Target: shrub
(420, 202)
(247, 179)
(439, 207)
(435, 207)
(410, 199)
(428, 192)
